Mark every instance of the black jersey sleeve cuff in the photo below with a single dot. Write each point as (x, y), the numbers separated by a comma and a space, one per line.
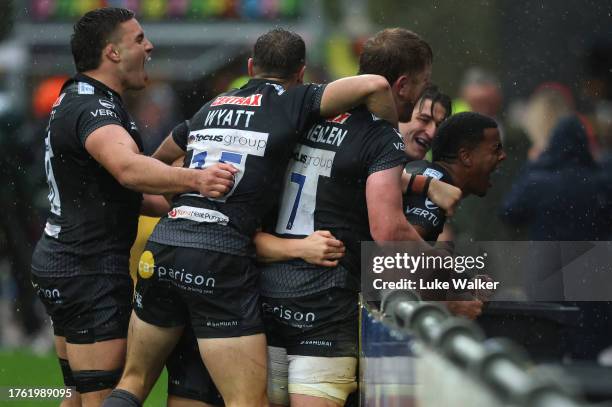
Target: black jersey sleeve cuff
(87, 130)
(389, 160)
(180, 134)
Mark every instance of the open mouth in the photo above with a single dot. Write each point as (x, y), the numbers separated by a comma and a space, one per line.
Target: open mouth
(422, 142)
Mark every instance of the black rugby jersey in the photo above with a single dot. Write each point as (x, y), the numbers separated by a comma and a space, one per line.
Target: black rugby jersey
(93, 219)
(254, 128)
(419, 210)
(324, 189)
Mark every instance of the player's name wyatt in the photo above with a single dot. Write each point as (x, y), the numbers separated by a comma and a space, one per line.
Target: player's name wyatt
(435, 284)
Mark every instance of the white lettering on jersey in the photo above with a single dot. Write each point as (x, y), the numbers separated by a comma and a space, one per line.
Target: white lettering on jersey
(103, 112)
(231, 146)
(296, 215)
(54, 196)
(422, 213)
(198, 215)
(85, 89)
(223, 117)
(327, 134)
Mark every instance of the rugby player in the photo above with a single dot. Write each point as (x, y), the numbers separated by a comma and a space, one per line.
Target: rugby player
(96, 175)
(350, 186)
(432, 109)
(466, 149)
(198, 265)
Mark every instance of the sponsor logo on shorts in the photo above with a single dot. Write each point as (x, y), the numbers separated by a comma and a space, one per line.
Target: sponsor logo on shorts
(221, 324)
(252, 100)
(146, 265)
(328, 344)
(288, 314)
(198, 215)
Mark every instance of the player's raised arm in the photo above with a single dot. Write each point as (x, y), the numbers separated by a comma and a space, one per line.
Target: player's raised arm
(372, 90)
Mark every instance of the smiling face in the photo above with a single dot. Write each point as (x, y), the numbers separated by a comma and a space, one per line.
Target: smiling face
(419, 131)
(133, 49)
(485, 157)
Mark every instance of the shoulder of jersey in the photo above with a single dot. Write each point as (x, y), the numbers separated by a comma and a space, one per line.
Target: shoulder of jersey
(418, 167)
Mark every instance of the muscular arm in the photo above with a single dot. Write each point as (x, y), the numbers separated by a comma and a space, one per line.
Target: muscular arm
(385, 211)
(372, 90)
(319, 248)
(445, 195)
(116, 151)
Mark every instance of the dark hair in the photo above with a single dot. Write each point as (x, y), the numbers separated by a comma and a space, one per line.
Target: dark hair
(393, 52)
(433, 93)
(91, 34)
(279, 53)
(460, 130)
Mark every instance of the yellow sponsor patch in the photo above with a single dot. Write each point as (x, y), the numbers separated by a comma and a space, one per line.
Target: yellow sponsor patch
(146, 265)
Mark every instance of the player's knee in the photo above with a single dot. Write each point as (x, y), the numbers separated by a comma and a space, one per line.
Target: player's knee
(330, 378)
(87, 381)
(121, 398)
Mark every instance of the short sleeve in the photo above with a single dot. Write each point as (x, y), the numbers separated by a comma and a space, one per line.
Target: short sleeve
(180, 134)
(303, 104)
(96, 112)
(385, 149)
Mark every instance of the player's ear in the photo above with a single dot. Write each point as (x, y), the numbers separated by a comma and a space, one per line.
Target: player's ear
(250, 67)
(465, 156)
(300, 74)
(401, 85)
(111, 52)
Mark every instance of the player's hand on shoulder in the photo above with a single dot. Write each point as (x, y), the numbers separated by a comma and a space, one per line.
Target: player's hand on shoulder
(321, 248)
(217, 180)
(445, 196)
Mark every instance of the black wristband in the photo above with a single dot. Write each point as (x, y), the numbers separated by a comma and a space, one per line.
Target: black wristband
(426, 187)
(410, 182)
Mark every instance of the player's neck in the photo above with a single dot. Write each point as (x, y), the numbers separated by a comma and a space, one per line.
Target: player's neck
(107, 78)
(285, 83)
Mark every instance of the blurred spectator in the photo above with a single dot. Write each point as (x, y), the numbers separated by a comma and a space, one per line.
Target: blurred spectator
(560, 195)
(480, 92)
(156, 115)
(547, 104)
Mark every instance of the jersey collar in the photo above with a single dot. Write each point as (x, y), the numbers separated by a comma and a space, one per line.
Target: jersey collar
(79, 77)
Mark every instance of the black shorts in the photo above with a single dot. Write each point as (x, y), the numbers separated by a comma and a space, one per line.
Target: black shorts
(89, 308)
(323, 324)
(187, 375)
(214, 292)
